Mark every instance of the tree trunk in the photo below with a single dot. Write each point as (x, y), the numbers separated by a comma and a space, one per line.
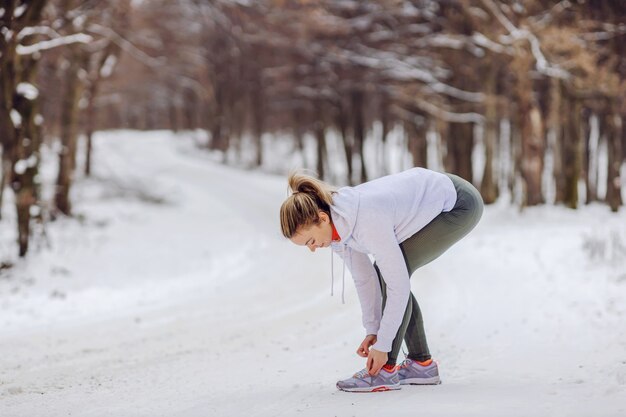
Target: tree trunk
(515, 176)
(8, 137)
(342, 123)
(69, 119)
(555, 127)
(613, 123)
(572, 150)
(416, 141)
(26, 156)
(359, 129)
(385, 126)
(442, 131)
(173, 113)
(20, 142)
(320, 136)
(591, 193)
(5, 174)
(623, 136)
(459, 150)
(218, 141)
(258, 121)
(190, 107)
(298, 134)
(489, 187)
(90, 123)
(533, 148)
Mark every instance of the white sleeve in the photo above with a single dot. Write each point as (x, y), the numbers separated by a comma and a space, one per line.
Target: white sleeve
(383, 245)
(367, 288)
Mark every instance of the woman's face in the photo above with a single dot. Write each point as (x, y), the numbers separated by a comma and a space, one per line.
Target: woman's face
(316, 236)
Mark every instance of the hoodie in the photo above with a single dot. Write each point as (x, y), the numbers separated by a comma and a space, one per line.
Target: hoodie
(373, 219)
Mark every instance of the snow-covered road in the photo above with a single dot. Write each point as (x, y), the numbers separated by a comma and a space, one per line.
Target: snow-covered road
(176, 295)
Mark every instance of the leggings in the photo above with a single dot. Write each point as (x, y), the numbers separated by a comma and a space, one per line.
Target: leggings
(423, 247)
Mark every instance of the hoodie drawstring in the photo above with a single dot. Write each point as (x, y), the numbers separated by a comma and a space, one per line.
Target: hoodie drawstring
(332, 273)
(332, 277)
(343, 282)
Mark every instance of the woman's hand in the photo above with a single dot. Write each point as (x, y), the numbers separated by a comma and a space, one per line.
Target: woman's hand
(376, 360)
(364, 349)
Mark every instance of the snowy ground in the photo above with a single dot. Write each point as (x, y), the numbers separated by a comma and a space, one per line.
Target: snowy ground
(173, 294)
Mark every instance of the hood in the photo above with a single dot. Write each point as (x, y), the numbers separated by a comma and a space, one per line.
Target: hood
(344, 212)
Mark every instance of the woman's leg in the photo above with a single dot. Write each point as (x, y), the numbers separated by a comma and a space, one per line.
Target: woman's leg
(415, 336)
(406, 320)
(425, 246)
(418, 348)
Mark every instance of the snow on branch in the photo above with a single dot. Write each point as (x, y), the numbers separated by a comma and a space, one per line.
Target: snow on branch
(126, 45)
(610, 32)
(446, 115)
(481, 40)
(438, 112)
(397, 68)
(546, 17)
(107, 68)
(53, 43)
(450, 41)
(542, 63)
(543, 66)
(27, 90)
(504, 21)
(37, 30)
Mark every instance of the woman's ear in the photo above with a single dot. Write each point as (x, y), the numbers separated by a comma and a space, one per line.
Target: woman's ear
(324, 217)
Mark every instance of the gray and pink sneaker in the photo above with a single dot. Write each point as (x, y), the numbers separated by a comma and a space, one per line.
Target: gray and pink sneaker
(413, 372)
(362, 381)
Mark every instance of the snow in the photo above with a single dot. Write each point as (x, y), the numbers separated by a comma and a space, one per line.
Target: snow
(79, 22)
(7, 33)
(109, 64)
(23, 164)
(53, 43)
(19, 10)
(172, 293)
(27, 90)
(16, 118)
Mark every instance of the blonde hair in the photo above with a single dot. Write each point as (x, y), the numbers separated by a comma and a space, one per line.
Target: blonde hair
(301, 209)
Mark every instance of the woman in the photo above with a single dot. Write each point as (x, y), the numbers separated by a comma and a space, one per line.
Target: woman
(404, 221)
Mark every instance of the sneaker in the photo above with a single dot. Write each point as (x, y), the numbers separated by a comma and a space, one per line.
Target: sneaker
(362, 381)
(411, 372)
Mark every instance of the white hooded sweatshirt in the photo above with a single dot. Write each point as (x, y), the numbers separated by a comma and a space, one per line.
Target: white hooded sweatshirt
(374, 218)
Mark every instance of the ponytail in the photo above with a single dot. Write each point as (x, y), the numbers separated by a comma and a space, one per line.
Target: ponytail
(301, 209)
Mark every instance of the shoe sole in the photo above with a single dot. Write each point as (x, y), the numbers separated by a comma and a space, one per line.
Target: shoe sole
(370, 389)
(421, 381)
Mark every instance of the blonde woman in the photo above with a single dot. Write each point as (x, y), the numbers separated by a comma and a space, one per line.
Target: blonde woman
(404, 221)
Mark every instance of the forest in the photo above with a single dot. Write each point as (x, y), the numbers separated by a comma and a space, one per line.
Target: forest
(536, 87)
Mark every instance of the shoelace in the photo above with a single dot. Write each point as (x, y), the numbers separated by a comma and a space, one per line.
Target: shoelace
(406, 363)
(362, 373)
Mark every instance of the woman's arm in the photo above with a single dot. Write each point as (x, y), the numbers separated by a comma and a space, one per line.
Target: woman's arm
(382, 243)
(367, 288)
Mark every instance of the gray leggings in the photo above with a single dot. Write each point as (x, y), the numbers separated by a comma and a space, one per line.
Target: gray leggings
(423, 247)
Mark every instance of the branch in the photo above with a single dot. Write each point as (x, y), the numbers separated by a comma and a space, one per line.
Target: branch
(126, 45)
(37, 30)
(485, 42)
(45, 45)
(543, 66)
(392, 66)
(438, 112)
(610, 32)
